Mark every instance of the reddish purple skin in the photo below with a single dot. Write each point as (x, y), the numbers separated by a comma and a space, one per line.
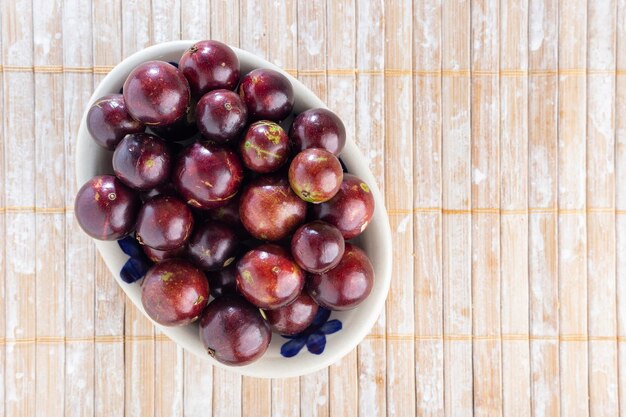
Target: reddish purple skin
(268, 94)
(233, 331)
(156, 93)
(108, 121)
(174, 293)
(212, 246)
(265, 147)
(157, 256)
(350, 210)
(315, 175)
(293, 318)
(105, 208)
(165, 188)
(318, 128)
(345, 286)
(142, 161)
(317, 246)
(221, 116)
(207, 176)
(164, 223)
(224, 281)
(268, 277)
(210, 65)
(269, 209)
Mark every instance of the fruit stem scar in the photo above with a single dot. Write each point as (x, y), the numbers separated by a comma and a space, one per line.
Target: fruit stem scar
(211, 352)
(112, 196)
(198, 300)
(193, 49)
(364, 187)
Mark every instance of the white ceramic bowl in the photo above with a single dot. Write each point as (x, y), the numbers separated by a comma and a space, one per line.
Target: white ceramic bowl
(92, 160)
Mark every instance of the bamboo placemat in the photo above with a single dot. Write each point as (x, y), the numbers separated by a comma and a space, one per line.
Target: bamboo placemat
(497, 130)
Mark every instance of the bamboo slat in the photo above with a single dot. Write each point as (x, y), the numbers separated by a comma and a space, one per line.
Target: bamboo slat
(399, 191)
(485, 157)
(428, 225)
(542, 192)
(19, 179)
(79, 296)
(49, 162)
(602, 313)
(370, 124)
(3, 260)
(572, 233)
(620, 198)
(456, 195)
(514, 231)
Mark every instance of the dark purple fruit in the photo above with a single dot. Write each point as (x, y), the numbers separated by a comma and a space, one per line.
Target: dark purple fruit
(210, 65)
(233, 331)
(265, 147)
(269, 209)
(142, 161)
(317, 246)
(315, 175)
(164, 223)
(293, 318)
(156, 255)
(346, 285)
(268, 94)
(224, 281)
(174, 293)
(212, 245)
(318, 128)
(108, 121)
(351, 209)
(207, 176)
(221, 116)
(105, 208)
(156, 93)
(268, 277)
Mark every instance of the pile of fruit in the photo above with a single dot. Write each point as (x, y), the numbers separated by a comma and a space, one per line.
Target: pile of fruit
(228, 205)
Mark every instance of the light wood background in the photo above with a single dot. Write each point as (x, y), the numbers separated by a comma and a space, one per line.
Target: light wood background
(497, 130)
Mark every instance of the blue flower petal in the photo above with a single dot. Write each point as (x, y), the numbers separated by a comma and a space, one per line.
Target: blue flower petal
(321, 317)
(134, 269)
(292, 347)
(331, 327)
(316, 343)
(131, 247)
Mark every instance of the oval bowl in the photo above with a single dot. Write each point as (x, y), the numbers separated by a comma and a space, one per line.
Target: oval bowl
(92, 160)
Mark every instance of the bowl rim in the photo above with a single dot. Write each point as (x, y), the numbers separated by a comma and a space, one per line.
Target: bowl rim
(107, 249)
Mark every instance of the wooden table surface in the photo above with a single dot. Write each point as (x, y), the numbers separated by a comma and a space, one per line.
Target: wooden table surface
(497, 130)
